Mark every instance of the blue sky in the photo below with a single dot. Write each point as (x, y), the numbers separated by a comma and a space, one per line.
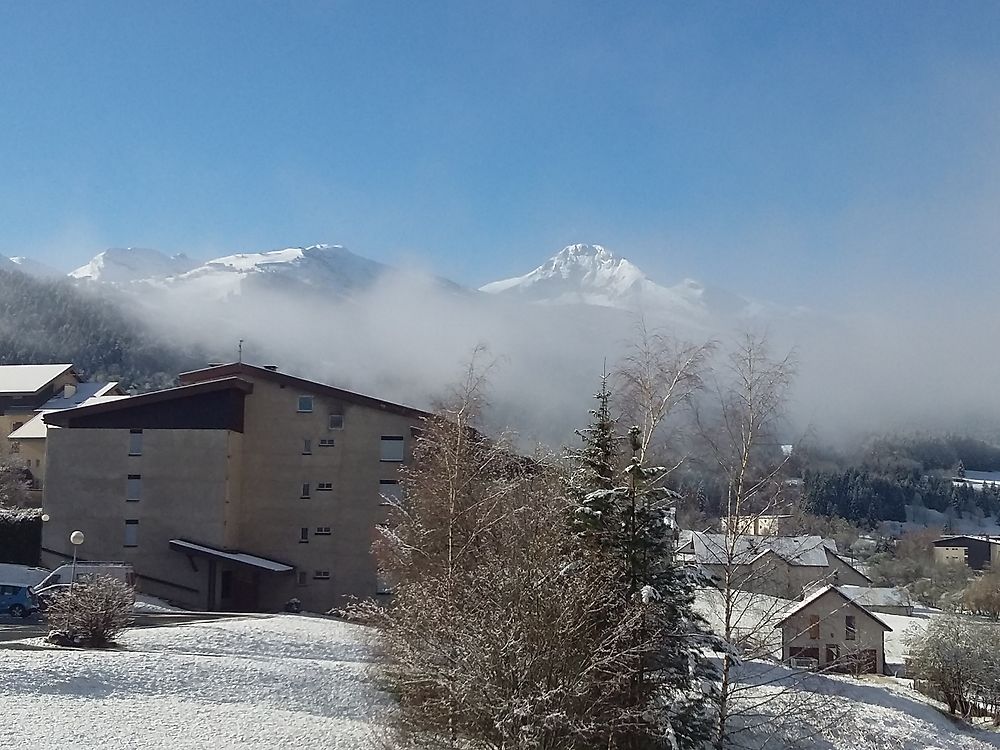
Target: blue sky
(799, 151)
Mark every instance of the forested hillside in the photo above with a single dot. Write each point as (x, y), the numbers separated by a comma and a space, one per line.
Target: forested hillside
(54, 321)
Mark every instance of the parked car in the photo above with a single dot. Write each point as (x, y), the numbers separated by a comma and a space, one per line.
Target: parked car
(17, 600)
(46, 594)
(85, 571)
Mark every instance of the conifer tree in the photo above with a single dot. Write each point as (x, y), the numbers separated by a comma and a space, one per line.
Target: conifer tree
(625, 519)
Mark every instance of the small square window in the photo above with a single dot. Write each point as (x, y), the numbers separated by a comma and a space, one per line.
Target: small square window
(307, 447)
(306, 490)
(336, 421)
(391, 448)
(305, 404)
(324, 487)
(390, 492)
(326, 442)
(303, 578)
(304, 535)
(322, 575)
(322, 531)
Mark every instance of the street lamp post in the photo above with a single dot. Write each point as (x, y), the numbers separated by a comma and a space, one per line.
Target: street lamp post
(76, 539)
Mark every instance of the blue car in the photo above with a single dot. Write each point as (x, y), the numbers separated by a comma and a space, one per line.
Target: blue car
(17, 600)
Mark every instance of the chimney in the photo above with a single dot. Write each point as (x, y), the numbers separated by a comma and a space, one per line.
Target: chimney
(69, 390)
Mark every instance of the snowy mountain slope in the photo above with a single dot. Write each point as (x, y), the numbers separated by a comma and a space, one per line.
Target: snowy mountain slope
(123, 265)
(592, 275)
(31, 267)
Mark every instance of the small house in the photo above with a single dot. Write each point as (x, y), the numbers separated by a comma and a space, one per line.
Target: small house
(832, 632)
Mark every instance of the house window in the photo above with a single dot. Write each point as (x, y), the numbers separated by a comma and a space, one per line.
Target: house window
(852, 628)
(305, 404)
(322, 575)
(132, 533)
(322, 531)
(307, 447)
(135, 442)
(389, 491)
(305, 490)
(133, 488)
(391, 448)
(336, 421)
(326, 442)
(303, 577)
(324, 487)
(304, 535)
(814, 627)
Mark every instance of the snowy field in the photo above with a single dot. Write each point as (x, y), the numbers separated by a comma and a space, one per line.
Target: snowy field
(271, 682)
(301, 682)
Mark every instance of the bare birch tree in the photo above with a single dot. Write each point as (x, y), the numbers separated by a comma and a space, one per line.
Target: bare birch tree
(659, 376)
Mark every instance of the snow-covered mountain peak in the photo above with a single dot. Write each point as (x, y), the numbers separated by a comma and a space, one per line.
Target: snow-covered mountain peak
(588, 274)
(122, 265)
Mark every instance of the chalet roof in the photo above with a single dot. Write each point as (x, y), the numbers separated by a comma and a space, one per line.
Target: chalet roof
(84, 392)
(235, 369)
(24, 379)
(714, 549)
(819, 594)
(944, 541)
(872, 596)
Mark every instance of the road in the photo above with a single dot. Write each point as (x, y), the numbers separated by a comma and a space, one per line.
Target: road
(15, 628)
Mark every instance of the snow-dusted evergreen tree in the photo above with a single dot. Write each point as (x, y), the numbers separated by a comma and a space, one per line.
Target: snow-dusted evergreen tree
(625, 519)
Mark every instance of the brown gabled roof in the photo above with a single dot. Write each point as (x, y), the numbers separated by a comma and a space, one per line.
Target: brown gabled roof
(819, 594)
(307, 386)
(63, 417)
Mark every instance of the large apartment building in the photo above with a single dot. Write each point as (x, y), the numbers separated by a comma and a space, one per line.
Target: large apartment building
(240, 489)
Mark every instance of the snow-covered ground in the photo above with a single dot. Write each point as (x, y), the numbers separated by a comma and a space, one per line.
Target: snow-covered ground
(264, 682)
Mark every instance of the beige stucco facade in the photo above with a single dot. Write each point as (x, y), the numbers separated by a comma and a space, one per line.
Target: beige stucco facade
(819, 629)
(235, 490)
(951, 555)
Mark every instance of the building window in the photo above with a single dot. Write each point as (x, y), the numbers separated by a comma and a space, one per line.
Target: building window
(322, 531)
(305, 404)
(392, 448)
(306, 490)
(135, 442)
(322, 575)
(132, 533)
(814, 627)
(389, 492)
(307, 447)
(304, 535)
(326, 442)
(336, 421)
(852, 628)
(133, 488)
(303, 578)
(324, 487)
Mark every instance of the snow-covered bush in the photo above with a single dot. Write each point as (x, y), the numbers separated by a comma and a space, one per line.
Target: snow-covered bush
(92, 613)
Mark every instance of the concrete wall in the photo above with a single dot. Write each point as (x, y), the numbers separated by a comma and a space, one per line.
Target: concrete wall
(273, 511)
(184, 485)
(950, 555)
(832, 611)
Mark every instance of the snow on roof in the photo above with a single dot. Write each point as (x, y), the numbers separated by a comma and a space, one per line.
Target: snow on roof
(870, 596)
(37, 428)
(714, 549)
(234, 555)
(83, 392)
(28, 378)
(819, 593)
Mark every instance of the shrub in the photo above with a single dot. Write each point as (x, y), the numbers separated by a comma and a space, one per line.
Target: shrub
(93, 613)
